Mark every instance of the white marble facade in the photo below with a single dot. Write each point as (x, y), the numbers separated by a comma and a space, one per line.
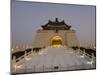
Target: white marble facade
(43, 38)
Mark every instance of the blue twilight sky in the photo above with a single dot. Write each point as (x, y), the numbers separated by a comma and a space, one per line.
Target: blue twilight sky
(27, 17)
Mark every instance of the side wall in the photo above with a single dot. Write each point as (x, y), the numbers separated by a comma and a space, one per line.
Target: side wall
(72, 39)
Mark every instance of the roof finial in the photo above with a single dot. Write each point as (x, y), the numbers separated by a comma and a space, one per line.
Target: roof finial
(56, 20)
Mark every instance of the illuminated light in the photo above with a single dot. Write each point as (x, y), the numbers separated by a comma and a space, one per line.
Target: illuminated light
(27, 58)
(57, 46)
(41, 52)
(90, 62)
(94, 47)
(82, 56)
(12, 49)
(20, 66)
(17, 66)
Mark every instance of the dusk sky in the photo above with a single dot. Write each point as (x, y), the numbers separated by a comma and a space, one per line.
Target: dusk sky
(27, 17)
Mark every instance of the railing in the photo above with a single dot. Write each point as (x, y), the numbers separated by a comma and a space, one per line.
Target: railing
(23, 56)
(90, 58)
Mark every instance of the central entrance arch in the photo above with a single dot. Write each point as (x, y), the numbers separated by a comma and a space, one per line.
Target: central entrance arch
(56, 41)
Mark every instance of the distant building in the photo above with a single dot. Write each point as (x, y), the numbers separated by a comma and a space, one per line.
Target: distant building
(55, 33)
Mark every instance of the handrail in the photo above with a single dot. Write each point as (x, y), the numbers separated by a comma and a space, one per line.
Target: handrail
(89, 57)
(23, 56)
(19, 58)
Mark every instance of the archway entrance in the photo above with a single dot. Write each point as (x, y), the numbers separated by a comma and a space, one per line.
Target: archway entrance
(56, 41)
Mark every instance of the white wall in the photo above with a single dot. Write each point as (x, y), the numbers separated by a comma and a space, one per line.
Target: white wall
(43, 38)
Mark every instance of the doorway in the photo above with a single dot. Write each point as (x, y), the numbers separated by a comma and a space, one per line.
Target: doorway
(56, 40)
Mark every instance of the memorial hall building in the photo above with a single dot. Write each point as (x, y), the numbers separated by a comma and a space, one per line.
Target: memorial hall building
(55, 33)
